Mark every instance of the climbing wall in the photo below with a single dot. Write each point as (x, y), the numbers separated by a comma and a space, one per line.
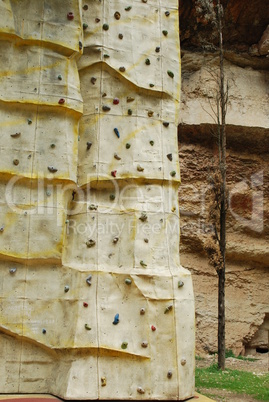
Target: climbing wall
(93, 301)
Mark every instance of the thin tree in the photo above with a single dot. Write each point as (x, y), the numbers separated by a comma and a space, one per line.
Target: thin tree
(216, 245)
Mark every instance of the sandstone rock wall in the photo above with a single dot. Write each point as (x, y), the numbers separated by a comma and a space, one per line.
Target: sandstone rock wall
(247, 280)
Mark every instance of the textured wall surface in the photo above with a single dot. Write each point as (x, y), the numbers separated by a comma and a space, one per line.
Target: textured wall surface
(94, 302)
(247, 285)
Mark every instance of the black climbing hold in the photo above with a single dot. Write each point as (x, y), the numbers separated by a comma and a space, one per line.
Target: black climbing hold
(170, 157)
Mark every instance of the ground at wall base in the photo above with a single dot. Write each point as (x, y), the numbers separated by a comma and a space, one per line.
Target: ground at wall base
(46, 398)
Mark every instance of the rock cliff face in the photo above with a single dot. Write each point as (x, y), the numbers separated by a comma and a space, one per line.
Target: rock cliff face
(245, 36)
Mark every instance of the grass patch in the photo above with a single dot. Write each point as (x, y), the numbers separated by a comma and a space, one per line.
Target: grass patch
(230, 353)
(241, 382)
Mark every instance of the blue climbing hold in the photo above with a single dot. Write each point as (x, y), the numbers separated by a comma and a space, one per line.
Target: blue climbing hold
(116, 131)
(116, 319)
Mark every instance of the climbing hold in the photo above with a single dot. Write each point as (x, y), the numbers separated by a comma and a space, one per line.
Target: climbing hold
(115, 240)
(166, 123)
(140, 168)
(93, 207)
(112, 197)
(167, 13)
(114, 173)
(29, 121)
(124, 345)
(16, 135)
(173, 173)
(44, 331)
(146, 240)
(85, 26)
(165, 33)
(144, 344)
(173, 209)
(85, 304)
(143, 264)
(150, 113)
(90, 243)
(151, 143)
(104, 95)
(170, 73)
(89, 144)
(70, 16)
(88, 280)
(151, 85)
(85, 7)
(105, 108)
(116, 131)
(103, 381)
(147, 62)
(13, 270)
(116, 319)
(16, 162)
(130, 112)
(168, 308)
(143, 217)
(116, 101)
(128, 281)
(142, 311)
(52, 169)
(97, 19)
(106, 56)
(61, 101)
(60, 77)
(140, 390)
(130, 99)
(93, 80)
(157, 49)
(183, 362)
(180, 284)
(153, 328)
(128, 8)
(144, 1)
(2, 228)
(52, 145)
(120, 36)
(122, 69)
(105, 27)
(169, 373)
(128, 145)
(117, 15)
(170, 157)
(66, 288)
(87, 327)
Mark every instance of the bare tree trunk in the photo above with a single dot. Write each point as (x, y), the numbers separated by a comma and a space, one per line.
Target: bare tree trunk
(222, 165)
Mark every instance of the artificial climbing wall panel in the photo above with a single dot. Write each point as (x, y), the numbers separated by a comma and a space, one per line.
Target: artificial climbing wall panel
(93, 301)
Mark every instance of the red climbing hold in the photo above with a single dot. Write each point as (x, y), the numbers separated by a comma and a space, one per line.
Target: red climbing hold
(153, 328)
(61, 101)
(113, 173)
(70, 16)
(116, 101)
(85, 304)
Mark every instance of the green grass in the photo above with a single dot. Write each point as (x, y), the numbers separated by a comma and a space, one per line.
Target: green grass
(241, 382)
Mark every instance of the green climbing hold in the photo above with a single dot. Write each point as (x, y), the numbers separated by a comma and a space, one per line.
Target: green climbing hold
(173, 173)
(112, 197)
(170, 73)
(85, 26)
(128, 8)
(105, 27)
(151, 143)
(165, 33)
(147, 61)
(130, 112)
(128, 146)
(124, 345)
(128, 281)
